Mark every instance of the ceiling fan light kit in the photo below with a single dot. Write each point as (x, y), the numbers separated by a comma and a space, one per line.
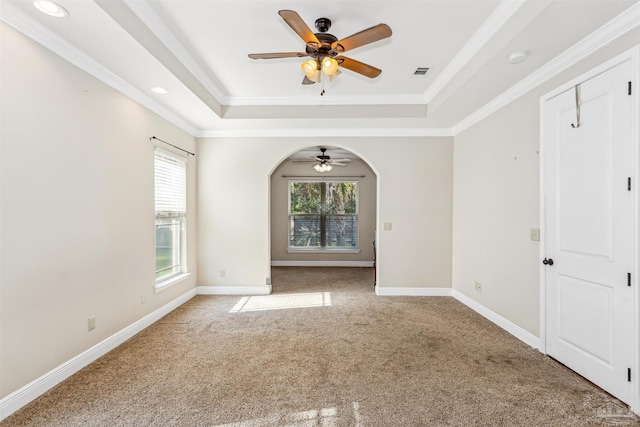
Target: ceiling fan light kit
(322, 168)
(310, 67)
(329, 66)
(325, 49)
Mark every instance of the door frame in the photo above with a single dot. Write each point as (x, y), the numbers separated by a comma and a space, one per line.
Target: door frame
(632, 55)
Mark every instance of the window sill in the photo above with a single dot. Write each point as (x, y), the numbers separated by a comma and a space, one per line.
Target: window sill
(323, 250)
(161, 286)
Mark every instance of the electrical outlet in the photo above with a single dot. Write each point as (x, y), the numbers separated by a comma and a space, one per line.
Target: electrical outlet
(387, 226)
(91, 323)
(223, 273)
(478, 287)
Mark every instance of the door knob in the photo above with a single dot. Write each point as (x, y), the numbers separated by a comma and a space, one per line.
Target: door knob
(547, 261)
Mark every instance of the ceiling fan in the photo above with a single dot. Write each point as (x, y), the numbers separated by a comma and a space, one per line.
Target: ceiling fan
(324, 162)
(326, 50)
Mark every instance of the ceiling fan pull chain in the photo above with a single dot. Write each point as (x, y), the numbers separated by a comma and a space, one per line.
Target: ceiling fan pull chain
(322, 84)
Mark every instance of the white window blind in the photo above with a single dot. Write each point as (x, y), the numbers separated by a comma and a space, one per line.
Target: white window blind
(170, 180)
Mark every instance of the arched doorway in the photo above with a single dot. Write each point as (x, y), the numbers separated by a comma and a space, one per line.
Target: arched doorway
(308, 228)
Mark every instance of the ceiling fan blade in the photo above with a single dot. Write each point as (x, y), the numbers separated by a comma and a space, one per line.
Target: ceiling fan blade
(278, 55)
(338, 164)
(358, 67)
(304, 161)
(345, 160)
(370, 35)
(298, 25)
(307, 81)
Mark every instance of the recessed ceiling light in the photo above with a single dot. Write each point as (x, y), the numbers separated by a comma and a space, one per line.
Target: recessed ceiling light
(517, 57)
(51, 8)
(159, 90)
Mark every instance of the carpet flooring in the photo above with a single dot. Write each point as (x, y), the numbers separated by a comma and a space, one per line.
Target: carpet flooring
(323, 350)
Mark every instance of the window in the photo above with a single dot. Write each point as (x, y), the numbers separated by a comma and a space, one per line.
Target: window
(323, 215)
(171, 207)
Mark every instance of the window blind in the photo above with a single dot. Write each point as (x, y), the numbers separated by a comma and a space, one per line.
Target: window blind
(170, 182)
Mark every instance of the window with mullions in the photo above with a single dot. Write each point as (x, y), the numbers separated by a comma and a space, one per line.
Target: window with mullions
(323, 215)
(171, 207)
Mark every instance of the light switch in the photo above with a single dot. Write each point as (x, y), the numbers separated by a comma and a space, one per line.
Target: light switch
(535, 234)
(387, 226)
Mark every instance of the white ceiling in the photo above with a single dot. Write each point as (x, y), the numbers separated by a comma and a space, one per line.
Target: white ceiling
(198, 51)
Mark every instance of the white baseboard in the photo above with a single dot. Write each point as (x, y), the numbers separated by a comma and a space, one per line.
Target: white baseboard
(34, 389)
(515, 330)
(322, 263)
(234, 290)
(413, 292)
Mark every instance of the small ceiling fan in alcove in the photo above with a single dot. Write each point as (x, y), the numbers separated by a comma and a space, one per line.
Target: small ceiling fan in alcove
(326, 50)
(324, 163)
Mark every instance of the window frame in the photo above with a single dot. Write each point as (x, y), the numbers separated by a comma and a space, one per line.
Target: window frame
(323, 249)
(181, 272)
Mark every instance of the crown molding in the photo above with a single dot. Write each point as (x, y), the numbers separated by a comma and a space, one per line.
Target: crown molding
(166, 37)
(17, 19)
(498, 18)
(327, 100)
(325, 132)
(618, 26)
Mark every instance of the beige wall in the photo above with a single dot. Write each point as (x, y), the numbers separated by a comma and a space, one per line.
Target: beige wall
(496, 201)
(414, 194)
(280, 211)
(77, 240)
(77, 214)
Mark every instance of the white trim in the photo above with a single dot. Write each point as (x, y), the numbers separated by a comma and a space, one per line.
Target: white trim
(615, 28)
(368, 132)
(618, 26)
(169, 40)
(632, 55)
(164, 284)
(39, 386)
(320, 250)
(234, 290)
(265, 101)
(413, 291)
(29, 27)
(151, 19)
(625, 56)
(515, 330)
(498, 18)
(510, 327)
(36, 388)
(542, 247)
(321, 263)
(635, 268)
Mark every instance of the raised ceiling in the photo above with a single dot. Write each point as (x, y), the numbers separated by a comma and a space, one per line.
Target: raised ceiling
(198, 51)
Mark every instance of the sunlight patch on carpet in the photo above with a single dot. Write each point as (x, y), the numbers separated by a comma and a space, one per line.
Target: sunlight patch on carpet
(281, 302)
(325, 417)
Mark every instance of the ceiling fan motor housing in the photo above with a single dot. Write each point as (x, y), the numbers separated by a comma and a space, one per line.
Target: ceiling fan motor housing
(319, 52)
(323, 158)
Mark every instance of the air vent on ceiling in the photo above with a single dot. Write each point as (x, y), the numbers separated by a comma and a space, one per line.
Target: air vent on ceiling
(420, 72)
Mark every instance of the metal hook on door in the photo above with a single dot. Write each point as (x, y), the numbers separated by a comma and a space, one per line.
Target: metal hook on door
(578, 102)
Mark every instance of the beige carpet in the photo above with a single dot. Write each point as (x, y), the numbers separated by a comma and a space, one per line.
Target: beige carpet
(323, 350)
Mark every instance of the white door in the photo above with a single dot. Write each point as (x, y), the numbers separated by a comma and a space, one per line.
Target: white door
(588, 234)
